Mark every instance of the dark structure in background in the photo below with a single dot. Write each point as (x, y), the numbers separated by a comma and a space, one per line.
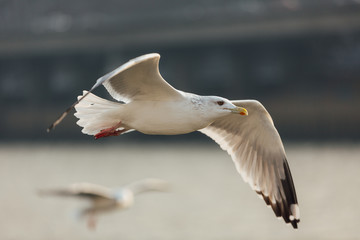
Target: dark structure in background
(301, 58)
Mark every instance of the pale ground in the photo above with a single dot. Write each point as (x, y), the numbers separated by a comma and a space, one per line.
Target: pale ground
(208, 199)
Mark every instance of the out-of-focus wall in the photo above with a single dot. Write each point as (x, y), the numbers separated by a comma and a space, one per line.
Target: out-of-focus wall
(301, 59)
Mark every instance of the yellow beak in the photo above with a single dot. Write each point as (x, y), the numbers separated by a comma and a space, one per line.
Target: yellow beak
(239, 110)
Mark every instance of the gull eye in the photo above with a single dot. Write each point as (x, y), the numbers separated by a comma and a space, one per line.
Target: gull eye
(220, 103)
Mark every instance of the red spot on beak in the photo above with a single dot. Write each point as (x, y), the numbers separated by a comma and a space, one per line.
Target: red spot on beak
(242, 113)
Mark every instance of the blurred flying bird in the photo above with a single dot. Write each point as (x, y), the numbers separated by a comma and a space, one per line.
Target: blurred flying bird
(150, 105)
(103, 199)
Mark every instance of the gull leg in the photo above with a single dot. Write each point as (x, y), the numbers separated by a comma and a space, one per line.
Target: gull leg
(107, 132)
(91, 223)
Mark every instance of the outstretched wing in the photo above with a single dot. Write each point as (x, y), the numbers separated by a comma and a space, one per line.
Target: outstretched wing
(138, 79)
(259, 156)
(148, 184)
(83, 190)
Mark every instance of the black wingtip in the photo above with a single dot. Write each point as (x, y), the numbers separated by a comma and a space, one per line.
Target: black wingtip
(286, 208)
(294, 223)
(64, 114)
(290, 195)
(50, 128)
(57, 121)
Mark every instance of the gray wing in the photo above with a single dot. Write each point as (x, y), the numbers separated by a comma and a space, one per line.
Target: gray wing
(259, 156)
(148, 184)
(83, 190)
(138, 79)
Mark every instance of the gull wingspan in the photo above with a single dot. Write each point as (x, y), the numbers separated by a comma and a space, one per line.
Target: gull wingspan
(84, 190)
(138, 79)
(259, 156)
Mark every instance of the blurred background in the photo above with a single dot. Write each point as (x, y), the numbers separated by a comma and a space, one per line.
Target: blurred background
(300, 58)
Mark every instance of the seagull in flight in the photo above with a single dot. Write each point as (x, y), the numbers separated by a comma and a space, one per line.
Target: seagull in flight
(103, 199)
(148, 104)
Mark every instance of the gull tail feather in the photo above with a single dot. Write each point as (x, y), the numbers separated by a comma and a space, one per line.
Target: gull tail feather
(95, 113)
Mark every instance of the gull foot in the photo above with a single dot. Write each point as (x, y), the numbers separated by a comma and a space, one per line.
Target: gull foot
(107, 132)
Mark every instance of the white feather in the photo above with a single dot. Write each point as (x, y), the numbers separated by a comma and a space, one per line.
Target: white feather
(94, 113)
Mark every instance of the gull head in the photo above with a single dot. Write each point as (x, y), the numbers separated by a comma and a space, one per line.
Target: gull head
(219, 107)
(124, 198)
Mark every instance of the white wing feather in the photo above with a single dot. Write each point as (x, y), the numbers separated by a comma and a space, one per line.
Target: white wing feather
(259, 156)
(138, 79)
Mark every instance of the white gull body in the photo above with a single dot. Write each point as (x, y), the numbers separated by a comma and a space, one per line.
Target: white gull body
(148, 104)
(184, 114)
